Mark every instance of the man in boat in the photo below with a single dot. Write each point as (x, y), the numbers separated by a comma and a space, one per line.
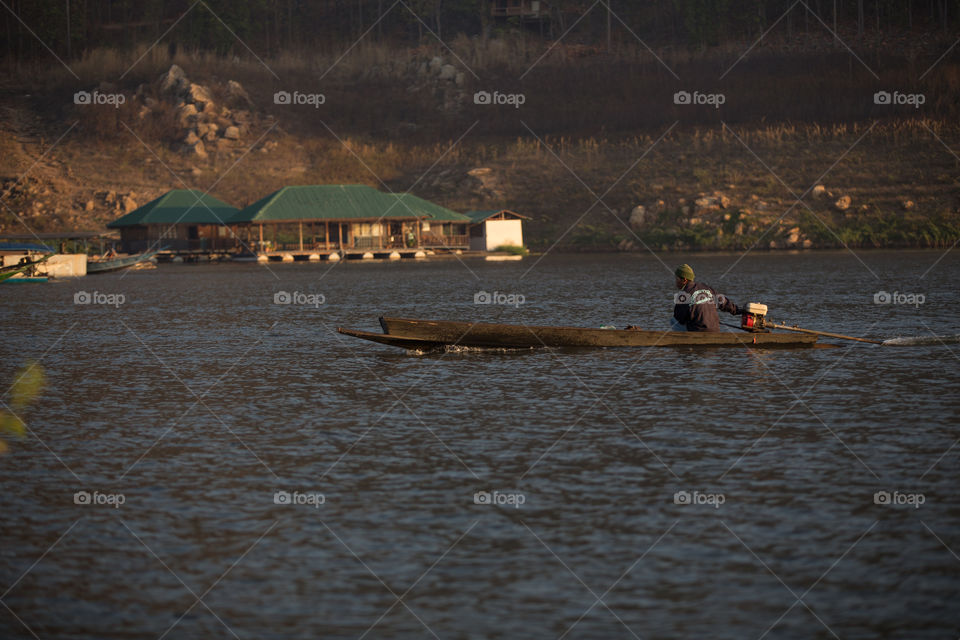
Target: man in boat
(696, 304)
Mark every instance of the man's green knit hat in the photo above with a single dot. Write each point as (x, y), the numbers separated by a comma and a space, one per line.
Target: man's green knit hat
(684, 271)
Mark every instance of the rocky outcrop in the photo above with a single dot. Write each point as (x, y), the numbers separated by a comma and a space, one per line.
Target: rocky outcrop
(440, 78)
(481, 185)
(203, 122)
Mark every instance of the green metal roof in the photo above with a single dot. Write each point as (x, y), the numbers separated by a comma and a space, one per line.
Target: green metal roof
(178, 206)
(424, 208)
(479, 216)
(330, 202)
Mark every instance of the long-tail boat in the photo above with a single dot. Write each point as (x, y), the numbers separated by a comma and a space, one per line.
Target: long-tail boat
(426, 335)
(9, 271)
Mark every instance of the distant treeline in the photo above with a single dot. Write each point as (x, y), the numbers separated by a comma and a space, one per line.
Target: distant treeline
(31, 29)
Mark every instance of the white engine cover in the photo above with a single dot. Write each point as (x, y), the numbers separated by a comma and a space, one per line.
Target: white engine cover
(757, 308)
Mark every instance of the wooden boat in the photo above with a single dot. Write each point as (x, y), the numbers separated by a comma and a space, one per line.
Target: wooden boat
(18, 271)
(430, 334)
(103, 266)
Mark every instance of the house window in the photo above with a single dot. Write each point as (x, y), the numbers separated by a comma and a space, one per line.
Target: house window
(367, 229)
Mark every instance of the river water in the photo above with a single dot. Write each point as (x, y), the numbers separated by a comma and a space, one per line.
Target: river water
(208, 462)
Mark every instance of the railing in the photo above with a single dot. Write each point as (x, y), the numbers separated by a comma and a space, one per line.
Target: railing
(183, 244)
(366, 242)
(435, 240)
(373, 243)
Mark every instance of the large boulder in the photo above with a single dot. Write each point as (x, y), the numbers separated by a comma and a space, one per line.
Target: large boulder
(174, 81)
(186, 114)
(638, 217)
(207, 131)
(448, 72)
(706, 203)
(199, 95)
(237, 95)
(196, 150)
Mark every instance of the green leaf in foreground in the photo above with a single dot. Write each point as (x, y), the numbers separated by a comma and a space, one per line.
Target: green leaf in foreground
(27, 385)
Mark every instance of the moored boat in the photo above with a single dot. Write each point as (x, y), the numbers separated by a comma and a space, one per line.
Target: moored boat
(23, 271)
(124, 262)
(432, 334)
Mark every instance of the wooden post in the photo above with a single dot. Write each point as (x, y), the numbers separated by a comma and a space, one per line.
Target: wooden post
(417, 223)
(326, 235)
(609, 11)
(300, 228)
(260, 246)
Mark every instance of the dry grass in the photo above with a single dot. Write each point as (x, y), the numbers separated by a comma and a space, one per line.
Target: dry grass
(595, 113)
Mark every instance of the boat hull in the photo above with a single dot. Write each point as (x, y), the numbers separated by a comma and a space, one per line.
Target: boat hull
(105, 266)
(424, 334)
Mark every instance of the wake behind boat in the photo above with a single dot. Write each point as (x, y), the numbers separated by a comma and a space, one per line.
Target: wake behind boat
(425, 335)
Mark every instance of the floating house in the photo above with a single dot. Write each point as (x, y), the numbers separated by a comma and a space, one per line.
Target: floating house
(297, 222)
(328, 217)
(440, 228)
(179, 220)
(495, 228)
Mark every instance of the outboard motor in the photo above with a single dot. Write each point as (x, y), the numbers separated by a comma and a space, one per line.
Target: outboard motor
(753, 318)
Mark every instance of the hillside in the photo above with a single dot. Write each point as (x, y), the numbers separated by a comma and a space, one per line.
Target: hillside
(590, 124)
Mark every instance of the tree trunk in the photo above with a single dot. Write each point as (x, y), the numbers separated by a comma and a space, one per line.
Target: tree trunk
(609, 10)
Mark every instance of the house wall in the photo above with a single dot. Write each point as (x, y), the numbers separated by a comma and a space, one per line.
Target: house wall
(176, 237)
(500, 232)
(64, 265)
(133, 239)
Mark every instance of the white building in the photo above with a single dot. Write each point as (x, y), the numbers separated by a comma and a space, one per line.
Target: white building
(495, 228)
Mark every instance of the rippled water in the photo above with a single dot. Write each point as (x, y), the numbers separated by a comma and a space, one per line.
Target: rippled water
(198, 398)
